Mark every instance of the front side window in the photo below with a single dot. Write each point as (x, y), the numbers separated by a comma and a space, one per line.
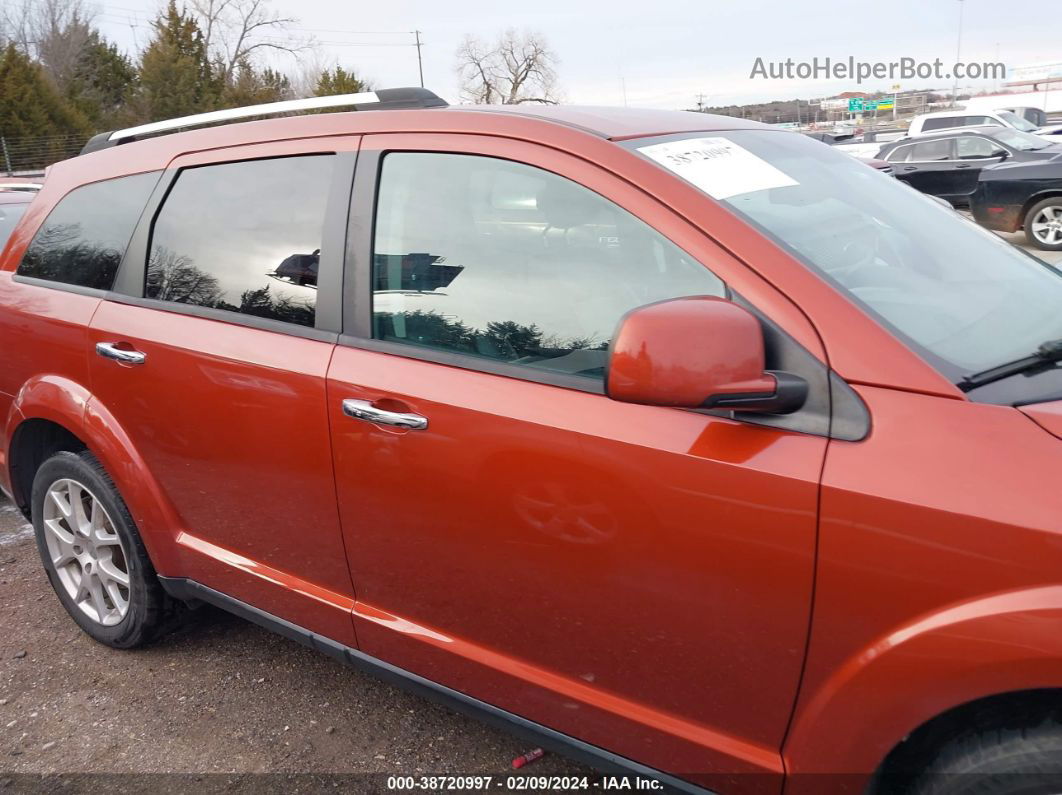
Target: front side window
(83, 239)
(971, 147)
(503, 261)
(959, 295)
(244, 237)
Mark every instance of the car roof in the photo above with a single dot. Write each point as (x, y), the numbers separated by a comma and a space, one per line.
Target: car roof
(619, 123)
(944, 114)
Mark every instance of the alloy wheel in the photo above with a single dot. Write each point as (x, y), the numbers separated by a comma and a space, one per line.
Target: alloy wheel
(89, 559)
(1047, 225)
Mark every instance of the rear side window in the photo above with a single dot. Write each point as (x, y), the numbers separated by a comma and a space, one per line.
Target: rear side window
(243, 237)
(84, 238)
(931, 150)
(939, 124)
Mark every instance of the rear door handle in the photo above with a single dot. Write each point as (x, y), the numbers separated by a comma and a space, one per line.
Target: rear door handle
(110, 350)
(364, 410)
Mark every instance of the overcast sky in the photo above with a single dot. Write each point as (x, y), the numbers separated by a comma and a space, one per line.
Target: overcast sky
(656, 55)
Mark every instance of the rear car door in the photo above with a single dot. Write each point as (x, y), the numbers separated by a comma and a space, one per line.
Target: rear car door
(928, 166)
(634, 576)
(211, 354)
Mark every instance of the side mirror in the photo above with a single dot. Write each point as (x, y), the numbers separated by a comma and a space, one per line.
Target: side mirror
(1003, 154)
(697, 352)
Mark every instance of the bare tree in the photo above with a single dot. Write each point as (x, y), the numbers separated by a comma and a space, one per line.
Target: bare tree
(235, 31)
(53, 32)
(518, 68)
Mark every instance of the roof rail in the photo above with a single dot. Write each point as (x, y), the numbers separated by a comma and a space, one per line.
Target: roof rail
(384, 99)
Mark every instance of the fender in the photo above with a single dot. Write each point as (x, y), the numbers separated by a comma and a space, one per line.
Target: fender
(69, 404)
(986, 646)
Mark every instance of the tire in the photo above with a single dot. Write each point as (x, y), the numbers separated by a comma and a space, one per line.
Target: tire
(88, 552)
(1010, 761)
(1043, 224)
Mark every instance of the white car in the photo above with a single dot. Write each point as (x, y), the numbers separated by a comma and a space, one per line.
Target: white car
(946, 120)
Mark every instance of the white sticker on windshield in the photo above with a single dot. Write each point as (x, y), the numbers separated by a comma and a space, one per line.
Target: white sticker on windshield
(718, 166)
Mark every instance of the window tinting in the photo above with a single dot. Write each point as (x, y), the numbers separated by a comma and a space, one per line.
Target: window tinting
(84, 238)
(940, 124)
(244, 237)
(500, 260)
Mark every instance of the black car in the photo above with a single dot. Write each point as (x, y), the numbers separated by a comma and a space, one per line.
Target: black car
(1022, 195)
(948, 164)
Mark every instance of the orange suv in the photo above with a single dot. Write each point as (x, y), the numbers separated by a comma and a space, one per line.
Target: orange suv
(689, 446)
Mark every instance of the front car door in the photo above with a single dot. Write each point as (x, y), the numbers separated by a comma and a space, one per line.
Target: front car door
(634, 576)
(229, 298)
(974, 153)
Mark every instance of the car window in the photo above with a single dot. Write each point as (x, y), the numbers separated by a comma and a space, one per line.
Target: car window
(970, 147)
(499, 260)
(243, 237)
(9, 216)
(900, 154)
(931, 150)
(84, 237)
(939, 124)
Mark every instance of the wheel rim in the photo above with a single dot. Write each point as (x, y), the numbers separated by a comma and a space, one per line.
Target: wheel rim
(86, 552)
(1047, 225)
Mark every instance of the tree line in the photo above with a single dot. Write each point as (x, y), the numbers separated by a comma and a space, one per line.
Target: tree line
(61, 80)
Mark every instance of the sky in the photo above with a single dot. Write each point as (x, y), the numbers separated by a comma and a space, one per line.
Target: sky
(643, 55)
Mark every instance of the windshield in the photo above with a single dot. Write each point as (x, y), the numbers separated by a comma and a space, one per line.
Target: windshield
(1016, 121)
(959, 295)
(1016, 139)
(9, 215)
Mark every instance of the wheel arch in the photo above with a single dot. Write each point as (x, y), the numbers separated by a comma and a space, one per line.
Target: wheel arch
(917, 675)
(1036, 199)
(51, 414)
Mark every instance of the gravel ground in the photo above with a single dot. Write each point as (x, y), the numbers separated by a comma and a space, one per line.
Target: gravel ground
(220, 696)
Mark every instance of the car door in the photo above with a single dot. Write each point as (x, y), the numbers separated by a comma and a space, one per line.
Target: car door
(633, 576)
(928, 166)
(212, 358)
(974, 153)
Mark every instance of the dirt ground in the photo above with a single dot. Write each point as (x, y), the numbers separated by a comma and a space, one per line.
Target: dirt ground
(221, 696)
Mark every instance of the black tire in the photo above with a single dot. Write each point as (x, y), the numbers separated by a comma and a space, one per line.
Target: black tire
(1010, 761)
(1053, 202)
(150, 610)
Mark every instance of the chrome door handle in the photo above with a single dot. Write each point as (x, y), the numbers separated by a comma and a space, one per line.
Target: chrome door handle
(110, 350)
(364, 410)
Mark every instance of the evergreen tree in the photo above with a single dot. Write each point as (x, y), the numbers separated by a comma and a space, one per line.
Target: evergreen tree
(33, 113)
(247, 86)
(339, 81)
(101, 80)
(176, 75)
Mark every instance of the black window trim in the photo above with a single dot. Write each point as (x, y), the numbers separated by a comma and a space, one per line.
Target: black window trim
(79, 289)
(846, 418)
(129, 283)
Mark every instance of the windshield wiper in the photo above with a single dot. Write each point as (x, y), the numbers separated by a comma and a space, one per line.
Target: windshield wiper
(1047, 354)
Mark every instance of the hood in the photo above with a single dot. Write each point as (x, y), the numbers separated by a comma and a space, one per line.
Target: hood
(1047, 415)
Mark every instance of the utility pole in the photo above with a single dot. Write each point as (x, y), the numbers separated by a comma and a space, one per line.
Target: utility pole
(958, 54)
(700, 102)
(420, 61)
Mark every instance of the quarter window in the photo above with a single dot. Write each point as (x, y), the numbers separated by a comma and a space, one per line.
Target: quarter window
(83, 239)
(243, 237)
(503, 261)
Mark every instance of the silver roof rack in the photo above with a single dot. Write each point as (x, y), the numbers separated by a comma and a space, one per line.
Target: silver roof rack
(384, 99)
(21, 186)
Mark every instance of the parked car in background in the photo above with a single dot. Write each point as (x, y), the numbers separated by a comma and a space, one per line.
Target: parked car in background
(947, 164)
(15, 196)
(1022, 196)
(946, 120)
(685, 445)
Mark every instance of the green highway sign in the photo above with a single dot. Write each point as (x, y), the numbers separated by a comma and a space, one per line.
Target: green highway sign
(855, 104)
(886, 104)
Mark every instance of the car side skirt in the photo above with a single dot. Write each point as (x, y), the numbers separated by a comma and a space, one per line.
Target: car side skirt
(604, 761)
